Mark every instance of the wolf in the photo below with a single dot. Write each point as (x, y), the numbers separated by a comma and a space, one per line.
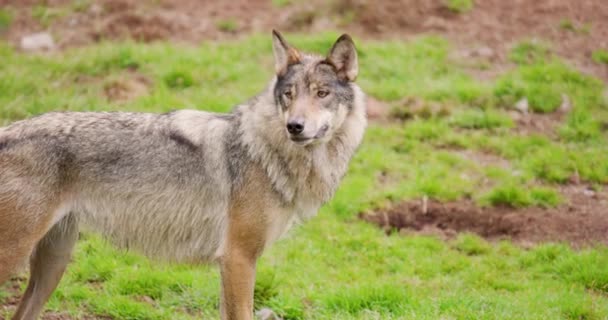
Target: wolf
(185, 186)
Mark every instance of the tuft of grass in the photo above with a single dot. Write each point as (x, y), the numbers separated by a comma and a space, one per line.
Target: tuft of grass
(514, 196)
(383, 300)
(80, 5)
(551, 164)
(579, 308)
(265, 289)
(600, 56)
(178, 79)
(545, 197)
(122, 307)
(528, 52)
(287, 308)
(124, 59)
(459, 6)
(229, 25)
(569, 25)
(581, 125)
(421, 130)
(518, 196)
(6, 18)
(46, 15)
(480, 119)
(471, 244)
(150, 284)
(281, 3)
(586, 268)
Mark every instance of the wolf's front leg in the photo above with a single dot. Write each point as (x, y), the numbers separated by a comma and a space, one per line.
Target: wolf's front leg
(243, 245)
(238, 279)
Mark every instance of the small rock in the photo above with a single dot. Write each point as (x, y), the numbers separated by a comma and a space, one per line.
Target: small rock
(267, 314)
(484, 52)
(37, 42)
(73, 22)
(522, 105)
(566, 104)
(589, 193)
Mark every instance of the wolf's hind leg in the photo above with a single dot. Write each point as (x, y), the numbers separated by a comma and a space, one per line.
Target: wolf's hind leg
(47, 264)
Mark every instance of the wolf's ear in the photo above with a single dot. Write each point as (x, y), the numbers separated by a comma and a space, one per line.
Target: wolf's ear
(343, 56)
(284, 54)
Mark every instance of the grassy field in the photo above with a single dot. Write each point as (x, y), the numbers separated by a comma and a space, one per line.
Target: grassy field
(337, 267)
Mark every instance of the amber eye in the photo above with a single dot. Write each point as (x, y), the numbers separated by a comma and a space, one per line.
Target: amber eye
(322, 93)
(288, 94)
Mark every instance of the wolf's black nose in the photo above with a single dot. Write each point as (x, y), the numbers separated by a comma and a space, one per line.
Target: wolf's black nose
(295, 126)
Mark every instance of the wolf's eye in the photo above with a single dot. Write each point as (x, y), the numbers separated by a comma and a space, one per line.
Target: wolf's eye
(322, 93)
(288, 94)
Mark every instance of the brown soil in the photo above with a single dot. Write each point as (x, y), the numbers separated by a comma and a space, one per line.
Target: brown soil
(128, 87)
(538, 123)
(581, 222)
(488, 30)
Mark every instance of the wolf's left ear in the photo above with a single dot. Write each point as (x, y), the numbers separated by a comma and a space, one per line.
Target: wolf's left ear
(284, 54)
(343, 56)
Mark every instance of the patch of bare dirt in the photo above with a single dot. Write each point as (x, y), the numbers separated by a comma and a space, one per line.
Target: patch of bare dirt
(540, 123)
(575, 29)
(376, 109)
(537, 123)
(129, 87)
(583, 221)
(415, 107)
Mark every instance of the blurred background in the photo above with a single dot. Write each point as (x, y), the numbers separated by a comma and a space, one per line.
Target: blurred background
(575, 29)
(479, 192)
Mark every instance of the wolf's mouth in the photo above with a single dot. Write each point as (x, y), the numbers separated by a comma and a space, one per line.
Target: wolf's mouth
(301, 140)
(321, 133)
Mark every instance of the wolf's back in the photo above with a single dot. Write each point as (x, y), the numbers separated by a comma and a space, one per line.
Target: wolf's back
(147, 181)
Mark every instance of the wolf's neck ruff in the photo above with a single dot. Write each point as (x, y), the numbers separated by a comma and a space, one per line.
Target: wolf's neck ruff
(299, 172)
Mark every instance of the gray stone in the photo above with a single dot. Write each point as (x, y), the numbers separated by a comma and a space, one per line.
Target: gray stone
(37, 42)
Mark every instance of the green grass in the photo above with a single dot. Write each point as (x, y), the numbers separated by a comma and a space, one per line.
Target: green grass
(47, 15)
(459, 6)
(336, 267)
(528, 52)
(80, 5)
(178, 79)
(282, 3)
(600, 56)
(568, 25)
(229, 25)
(6, 18)
(516, 196)
(481, 119)
(543, 84)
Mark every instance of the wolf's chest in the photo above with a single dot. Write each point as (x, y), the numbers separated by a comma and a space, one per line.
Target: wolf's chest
(287, 217)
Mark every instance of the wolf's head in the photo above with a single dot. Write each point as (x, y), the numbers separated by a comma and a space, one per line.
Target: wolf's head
(314, 94)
